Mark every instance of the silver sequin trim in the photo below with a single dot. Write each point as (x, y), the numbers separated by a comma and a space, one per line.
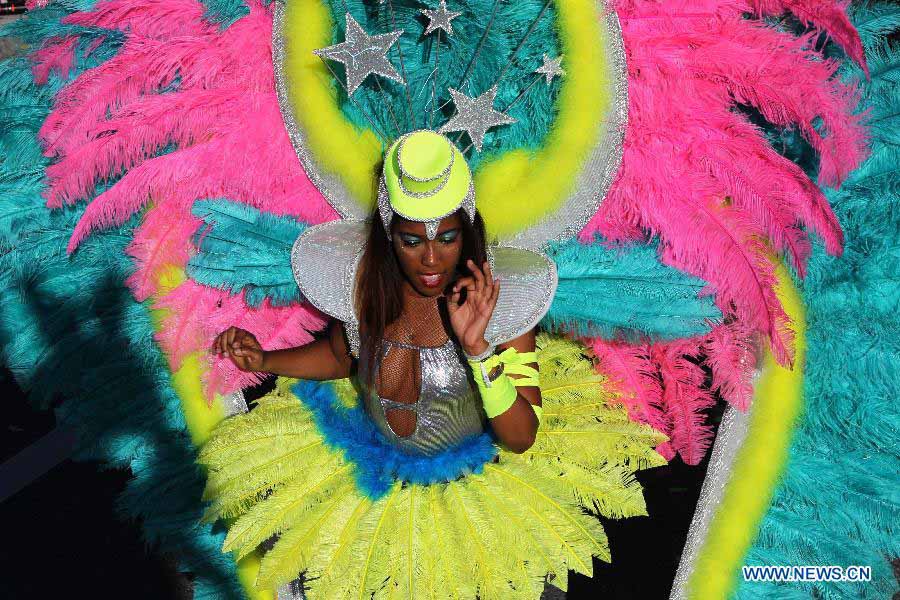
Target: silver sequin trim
(731, 435)
(386, 210)
(590, 187)
(729, 439)
(292, 590)
(234, 403)
(329, 184)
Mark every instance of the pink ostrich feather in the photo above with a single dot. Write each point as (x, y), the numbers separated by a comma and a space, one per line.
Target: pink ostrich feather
(731, 354)
(56, 56)
(684, 399)
(701, 176)
(634, 377)
(198, 313)
(828, 17)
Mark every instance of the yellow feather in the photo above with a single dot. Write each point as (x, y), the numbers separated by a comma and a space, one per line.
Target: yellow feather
(333, 559)
(578, 536)
(284, 507)
(295, 549)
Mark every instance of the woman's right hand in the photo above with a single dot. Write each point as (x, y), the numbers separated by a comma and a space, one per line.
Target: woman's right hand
(241, 347)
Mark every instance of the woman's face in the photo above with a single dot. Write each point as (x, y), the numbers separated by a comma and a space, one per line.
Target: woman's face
(429, 265)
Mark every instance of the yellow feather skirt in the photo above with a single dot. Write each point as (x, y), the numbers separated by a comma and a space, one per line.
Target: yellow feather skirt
(502, 533)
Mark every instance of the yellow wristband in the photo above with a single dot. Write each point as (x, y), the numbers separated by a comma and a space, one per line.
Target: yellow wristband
(497, 394)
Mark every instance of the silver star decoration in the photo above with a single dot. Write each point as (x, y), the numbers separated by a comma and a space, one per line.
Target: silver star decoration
(550, 68)
(439, 19)
(475, 115)
(362, 54)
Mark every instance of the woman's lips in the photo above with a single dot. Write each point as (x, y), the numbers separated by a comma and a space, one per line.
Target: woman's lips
(432, 280)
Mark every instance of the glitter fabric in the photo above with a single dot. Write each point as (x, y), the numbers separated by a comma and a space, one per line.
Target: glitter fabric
(729, 439)
(448, 409)
(324, 260)
(386, 211)
(329, 184)
(439, 19)
(527, 285)
(551, 68)
(234, 403)
(475, 115)
(731, 435)
(399, 377)
(292, 590)
(423, 402)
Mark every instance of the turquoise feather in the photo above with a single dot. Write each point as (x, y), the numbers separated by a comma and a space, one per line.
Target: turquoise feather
(243, 248)
(626, 293)
(534, 111)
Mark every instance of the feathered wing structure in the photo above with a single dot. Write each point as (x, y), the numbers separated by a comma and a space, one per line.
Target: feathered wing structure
(496, 533)
(699, 175)
(186, 105)
(182, 107)
(851, 424)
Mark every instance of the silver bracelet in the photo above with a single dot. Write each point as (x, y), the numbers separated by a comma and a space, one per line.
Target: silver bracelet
(486, 354)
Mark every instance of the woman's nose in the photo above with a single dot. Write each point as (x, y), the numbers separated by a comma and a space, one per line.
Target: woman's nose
(429, 257)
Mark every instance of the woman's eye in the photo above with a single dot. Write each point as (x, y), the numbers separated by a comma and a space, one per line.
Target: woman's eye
(449, 237)
(410, 240)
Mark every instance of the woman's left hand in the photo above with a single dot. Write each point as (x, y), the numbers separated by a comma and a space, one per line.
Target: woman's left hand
(469, 320)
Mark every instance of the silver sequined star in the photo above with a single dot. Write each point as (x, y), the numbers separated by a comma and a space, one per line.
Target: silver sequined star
(440, 18)
(475, 115)
(550, 68)
(362, 54)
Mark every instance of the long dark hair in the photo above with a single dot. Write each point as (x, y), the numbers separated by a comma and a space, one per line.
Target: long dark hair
(378, 297)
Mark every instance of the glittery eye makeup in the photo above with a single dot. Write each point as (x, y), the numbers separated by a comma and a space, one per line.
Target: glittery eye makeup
(448, 237)
(409, 240)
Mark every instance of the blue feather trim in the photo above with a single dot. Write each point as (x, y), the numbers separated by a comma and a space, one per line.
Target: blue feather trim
(378, 464)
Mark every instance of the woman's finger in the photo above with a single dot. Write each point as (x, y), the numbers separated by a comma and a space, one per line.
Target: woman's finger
(240, 338)
(488, 282)
(479, 277)
(453, 302)
(464, 282)
(229, 336)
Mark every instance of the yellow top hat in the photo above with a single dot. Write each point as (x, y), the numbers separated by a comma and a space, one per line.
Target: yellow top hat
(425, 179)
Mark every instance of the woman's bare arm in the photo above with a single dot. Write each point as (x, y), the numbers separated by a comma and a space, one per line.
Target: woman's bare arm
(325, 358)
(517, 427)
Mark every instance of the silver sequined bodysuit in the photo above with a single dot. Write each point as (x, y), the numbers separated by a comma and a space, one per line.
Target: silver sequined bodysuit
(422, 401)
